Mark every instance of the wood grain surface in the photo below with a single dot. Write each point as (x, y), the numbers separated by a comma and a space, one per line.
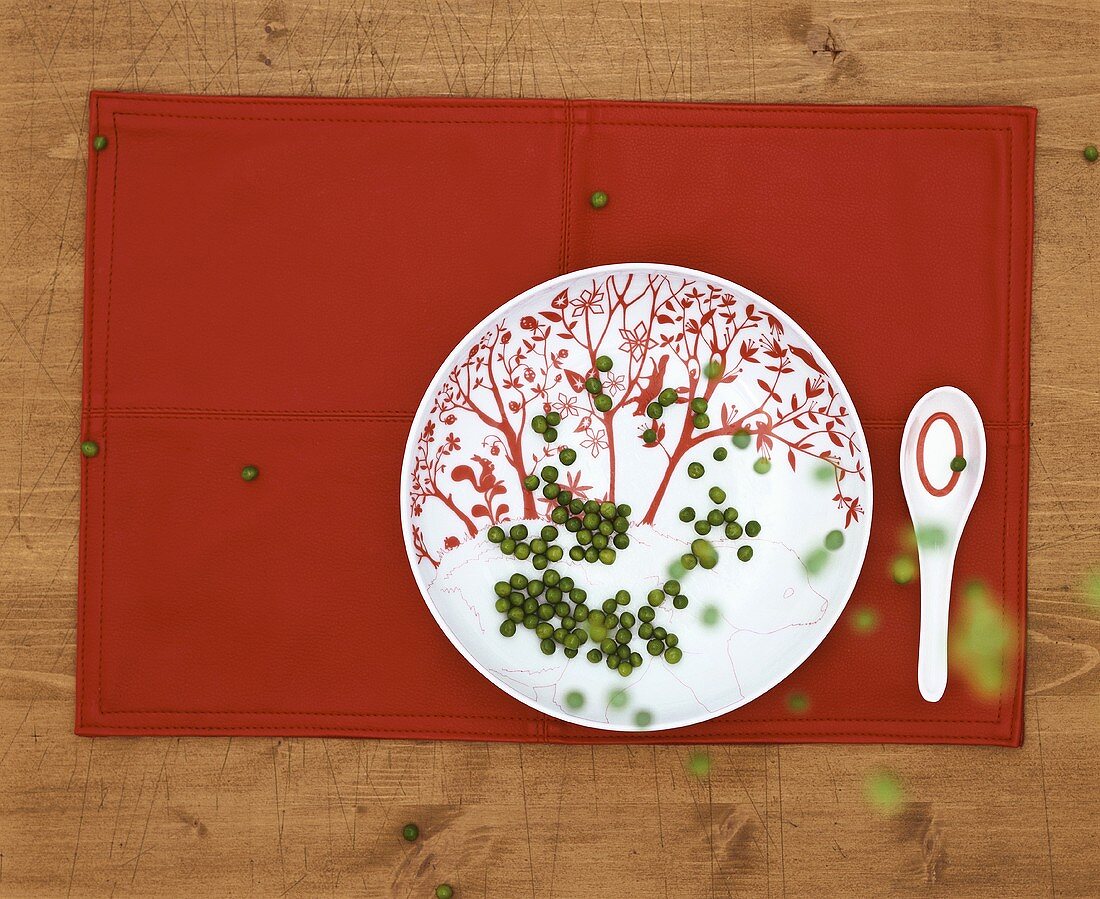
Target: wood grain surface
(225, 817)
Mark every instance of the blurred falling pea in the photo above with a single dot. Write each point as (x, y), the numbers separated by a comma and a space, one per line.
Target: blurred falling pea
(698, 764)
(883, 791)
(980, 641)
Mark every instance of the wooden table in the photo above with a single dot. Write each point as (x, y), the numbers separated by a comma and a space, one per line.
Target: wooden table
(230, 816)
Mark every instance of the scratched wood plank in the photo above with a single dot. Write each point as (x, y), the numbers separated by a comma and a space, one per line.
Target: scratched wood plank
(226, 817)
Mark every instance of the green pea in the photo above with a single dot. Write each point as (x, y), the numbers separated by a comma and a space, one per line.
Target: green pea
(539, 561)
(625, 668)
(712, 370)
(495, 534)
(544, 630)
(502, 588)
(604, 363)
(958, 463)
(717, 495)
(624, 510)
(546, 611)
(705, 552)
(607, 556)
(554, 553)
(744, 553)
(620, 525)
(530, 605)
(710, 616)
(574, 526)
(539, 424)
(593, 386)
(518, 532)
(667, 396)
(729, 513)
(714, 517)
(508, 627)
(609, 606)
(673, 655)
(530, 622)
(696, 470)
(572, 641)
(733, 531)
(548, 647)
(622, 598)
(659, 633)
(559, 515)
(699, 404)
(642, 718)
(672, 587)
(621, 541)
(567, 456)
(444, 891)
(645, 629)
(518, 581)
(702, 527)
(655, 647)
(622, 635)
(680, 602)
(517, 599)
(752, 528)
(596, 617)
(742, 439)
(1090, 152)
(626, 619)
(904, 569)
(700, 421)
(550, 491)
(720, 454)
(688, 561)
(654, 410)
(553, 419)
(612, 662)
(523, 551)
(584, 536)
(655, 597)
(603, 403)
(410, 832)
(576, 506)
(591, 520)
(608, 511)
(516, 614)
(538, 546)
(561, 609)
(611, 621)
(646, 613)
(608, 646)
(649, 436)
(551, 435)
(560, 633)
(564, 497)
(598, 199)
(761, 466)
(687, 514)
(635, 659)
(502, 605)
(594, 655)
(531, 483)
(577, 594)
(580, 612)
(671, 639)
(567, 586)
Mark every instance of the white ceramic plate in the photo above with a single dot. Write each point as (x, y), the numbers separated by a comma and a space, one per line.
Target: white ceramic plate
(748, 624)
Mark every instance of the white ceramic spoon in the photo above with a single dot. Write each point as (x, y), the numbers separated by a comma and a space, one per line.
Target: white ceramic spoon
(943, 425)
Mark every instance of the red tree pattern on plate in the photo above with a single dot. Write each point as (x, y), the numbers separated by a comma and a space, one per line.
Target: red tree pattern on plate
(663, 331)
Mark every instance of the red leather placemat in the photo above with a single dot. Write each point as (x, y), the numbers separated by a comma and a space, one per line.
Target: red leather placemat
(276, 280)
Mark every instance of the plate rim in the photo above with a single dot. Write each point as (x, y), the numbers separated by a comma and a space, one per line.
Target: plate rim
(424, 408)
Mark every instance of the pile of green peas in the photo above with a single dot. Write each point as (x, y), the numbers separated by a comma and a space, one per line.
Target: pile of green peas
(600, 529)
(667, 397)
(725, 518)
(556, 609)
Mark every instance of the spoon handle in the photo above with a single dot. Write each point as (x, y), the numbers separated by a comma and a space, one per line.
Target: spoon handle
(936, 570)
